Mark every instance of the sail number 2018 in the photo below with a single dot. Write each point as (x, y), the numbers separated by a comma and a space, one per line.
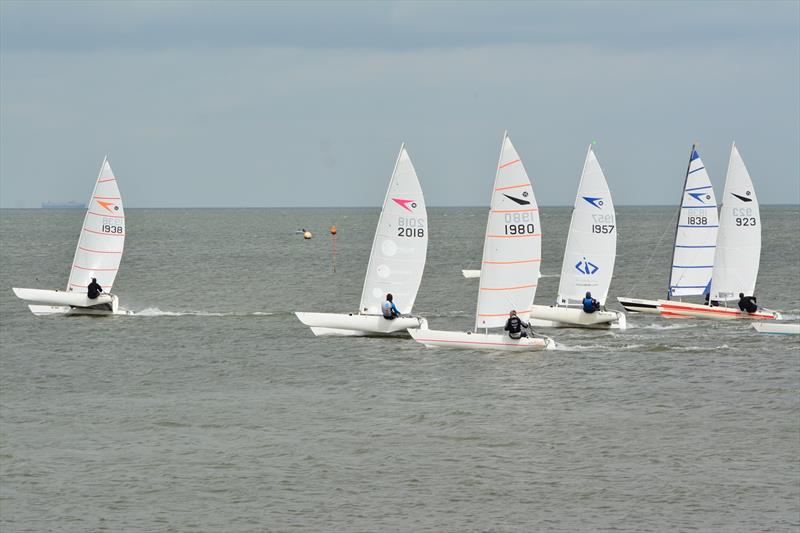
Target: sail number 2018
(410, 227)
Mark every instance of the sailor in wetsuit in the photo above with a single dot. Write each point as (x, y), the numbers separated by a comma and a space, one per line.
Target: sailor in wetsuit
(747, 303)
(94, 289)
(388, 308)
(590, 305)
(514, 326)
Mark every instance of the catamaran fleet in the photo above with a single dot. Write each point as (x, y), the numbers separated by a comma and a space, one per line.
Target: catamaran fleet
(716, 254)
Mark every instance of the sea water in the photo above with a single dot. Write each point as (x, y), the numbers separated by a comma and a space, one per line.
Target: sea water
(213, 408)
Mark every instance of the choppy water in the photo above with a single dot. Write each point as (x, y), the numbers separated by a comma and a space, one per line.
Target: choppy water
(214, 409)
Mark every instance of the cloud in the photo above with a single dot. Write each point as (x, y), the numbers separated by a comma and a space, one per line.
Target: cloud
(91, 26)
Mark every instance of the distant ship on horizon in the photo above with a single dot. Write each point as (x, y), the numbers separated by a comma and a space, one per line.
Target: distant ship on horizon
(63, 205)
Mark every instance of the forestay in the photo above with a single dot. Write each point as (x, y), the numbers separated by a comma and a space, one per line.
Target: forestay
(739, 242)
(102, 239)
(400, 245)
(592, 240)
(512, 244)
(696, 233)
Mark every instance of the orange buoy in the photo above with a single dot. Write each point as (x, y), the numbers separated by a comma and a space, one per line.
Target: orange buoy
(333, 230)
(307, 235)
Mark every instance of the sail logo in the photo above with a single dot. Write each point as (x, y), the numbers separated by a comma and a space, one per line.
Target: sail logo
(699, 196)
(108, 206)
(405, 203)
(595, 201)
(586, 267)
(743, 198)
(520, 201)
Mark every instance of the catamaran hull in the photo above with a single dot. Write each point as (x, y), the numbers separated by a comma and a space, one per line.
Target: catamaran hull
(432, 338)
(673, 309)
(570, 317)
(777, 328)
(354, 325)
(44, 302)
(635, 305)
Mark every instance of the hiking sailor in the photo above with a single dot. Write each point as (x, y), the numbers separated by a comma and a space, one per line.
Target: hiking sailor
(388, 308)
(590, 305)
(747, 303)
(514, 326)
(94, 289)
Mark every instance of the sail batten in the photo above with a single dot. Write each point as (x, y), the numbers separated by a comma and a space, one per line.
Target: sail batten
(102, 239)
(400, 245)
(591, 248)
(512, 244)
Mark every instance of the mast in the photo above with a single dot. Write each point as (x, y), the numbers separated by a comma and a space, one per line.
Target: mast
(678, 221)
(488, 221)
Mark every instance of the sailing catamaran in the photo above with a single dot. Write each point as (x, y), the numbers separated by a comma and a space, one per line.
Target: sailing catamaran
(588, 258)
(395, 263)
(713, 255)
(738, 252)
(98, 255)
(510, 265)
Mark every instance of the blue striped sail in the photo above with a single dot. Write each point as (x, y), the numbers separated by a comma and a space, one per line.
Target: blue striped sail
(696, 233)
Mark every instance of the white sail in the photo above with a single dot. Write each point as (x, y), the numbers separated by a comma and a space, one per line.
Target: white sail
(739, 241)
(401, 243)
(592, 241)
(512, 244)
(102, 239)
(696, 233)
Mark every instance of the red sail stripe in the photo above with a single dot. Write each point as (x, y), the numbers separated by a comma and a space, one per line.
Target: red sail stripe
(107, 215)
(98, 251)
(513, 187)
(96, 269)
(508, 288)
(504, 165)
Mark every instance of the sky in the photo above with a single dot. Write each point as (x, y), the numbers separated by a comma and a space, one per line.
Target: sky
(273, 104)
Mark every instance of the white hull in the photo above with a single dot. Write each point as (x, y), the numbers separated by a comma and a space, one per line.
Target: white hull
(356, 325)
(53, 302)
(777, 328)
(673, 309)
(471, 273)
(479, 341)
(570, 317)
(636, 305)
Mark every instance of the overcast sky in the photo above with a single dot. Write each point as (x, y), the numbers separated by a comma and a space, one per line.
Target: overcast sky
(246, 104)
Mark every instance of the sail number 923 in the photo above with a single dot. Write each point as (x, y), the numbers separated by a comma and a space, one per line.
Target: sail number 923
(410, 227)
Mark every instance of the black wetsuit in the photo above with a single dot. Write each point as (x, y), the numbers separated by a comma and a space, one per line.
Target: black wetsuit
(748, 303)
(93, 290)
(514, 327)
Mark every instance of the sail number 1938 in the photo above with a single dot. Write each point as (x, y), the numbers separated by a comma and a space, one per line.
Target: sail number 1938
(410, 227)
(110, 225)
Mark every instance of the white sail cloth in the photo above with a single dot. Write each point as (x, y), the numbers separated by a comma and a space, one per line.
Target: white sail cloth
(400, 245)
(738, 251)
(102, 238)
(512, 244)
(696, 233)
(591, 247)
